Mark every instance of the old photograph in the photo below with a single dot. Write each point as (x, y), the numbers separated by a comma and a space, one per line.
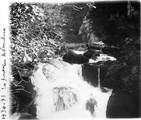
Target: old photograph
(72, 60)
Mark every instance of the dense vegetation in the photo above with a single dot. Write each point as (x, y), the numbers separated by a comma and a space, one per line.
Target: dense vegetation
(120, 30)
(117, 25)
(40, 32)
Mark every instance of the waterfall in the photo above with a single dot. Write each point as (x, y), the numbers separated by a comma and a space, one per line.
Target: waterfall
(62, 93)
(98, 69)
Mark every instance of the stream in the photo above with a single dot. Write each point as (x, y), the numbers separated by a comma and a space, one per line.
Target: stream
(62, 91)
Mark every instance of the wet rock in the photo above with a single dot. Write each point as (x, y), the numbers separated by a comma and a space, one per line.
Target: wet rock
(123, 104)
(91, 53)
(74, 58)
(113, 51)
(90, 74)
(96, 45)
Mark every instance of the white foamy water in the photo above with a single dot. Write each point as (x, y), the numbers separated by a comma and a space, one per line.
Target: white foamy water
(78, 52)
(102, 57)
(63, 94)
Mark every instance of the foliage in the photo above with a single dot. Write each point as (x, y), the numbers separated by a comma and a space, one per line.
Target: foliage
(115, 27)
(40, 28)
(35, 28)
(75, 14)
(111, 22)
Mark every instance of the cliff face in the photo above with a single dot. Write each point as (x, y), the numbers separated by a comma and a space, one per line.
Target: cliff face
(125, 99)
(117, 25)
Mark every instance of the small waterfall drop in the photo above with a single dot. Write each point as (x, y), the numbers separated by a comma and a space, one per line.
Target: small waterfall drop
(62, 93)
(98, 76)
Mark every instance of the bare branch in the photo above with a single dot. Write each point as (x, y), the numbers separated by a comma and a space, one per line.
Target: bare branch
(90, 5)
(18, 90)
(74, 7)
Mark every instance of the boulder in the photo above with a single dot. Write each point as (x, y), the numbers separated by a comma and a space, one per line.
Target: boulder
(123, 104)
(90, 74)
(74, 58)
(111, 50)
(91, 53)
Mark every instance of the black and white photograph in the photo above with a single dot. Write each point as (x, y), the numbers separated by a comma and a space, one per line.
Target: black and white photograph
(70, 60)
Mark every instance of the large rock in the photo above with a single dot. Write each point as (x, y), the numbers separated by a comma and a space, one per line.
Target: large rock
(90, 74)
(124, 104)
(113, 51)
(91, 53)
(74, 58)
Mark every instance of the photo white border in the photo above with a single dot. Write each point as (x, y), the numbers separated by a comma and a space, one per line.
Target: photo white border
(4, 24)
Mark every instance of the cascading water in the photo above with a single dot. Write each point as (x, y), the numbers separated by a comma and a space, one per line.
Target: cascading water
(98, 69)
(62, 93)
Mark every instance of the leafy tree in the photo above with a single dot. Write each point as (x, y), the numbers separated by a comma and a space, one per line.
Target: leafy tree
(118, 27)
(35, 28)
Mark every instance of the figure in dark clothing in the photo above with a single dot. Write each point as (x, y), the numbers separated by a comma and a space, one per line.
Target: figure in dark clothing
(90, 106)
